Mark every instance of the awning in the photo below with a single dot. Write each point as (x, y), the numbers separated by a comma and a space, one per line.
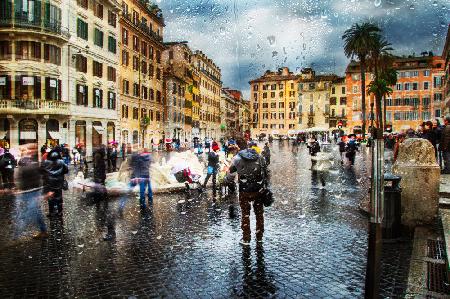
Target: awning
(291, 132)
(2, 134)
(99, 129)
(54, 135)
(27, 135)
(275, 132)
(317, 129)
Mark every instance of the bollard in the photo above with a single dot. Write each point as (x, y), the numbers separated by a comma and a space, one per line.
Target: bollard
(392, 219)
(416, 164)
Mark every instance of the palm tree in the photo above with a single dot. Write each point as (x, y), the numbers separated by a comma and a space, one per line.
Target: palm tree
(380, 88)
(390, 76)
(358, 41)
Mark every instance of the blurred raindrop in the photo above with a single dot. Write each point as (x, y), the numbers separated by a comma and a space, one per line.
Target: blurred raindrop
(377, 3)
(271, 40)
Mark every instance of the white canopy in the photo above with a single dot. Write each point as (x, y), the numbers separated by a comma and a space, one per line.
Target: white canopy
(54, 134)
(316, 129)
(99, 129)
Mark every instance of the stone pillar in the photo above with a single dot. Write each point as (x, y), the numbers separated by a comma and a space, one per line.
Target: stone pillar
(105, 132)
(416, 164)
(13, 132)
(71, 140)
(42, 130)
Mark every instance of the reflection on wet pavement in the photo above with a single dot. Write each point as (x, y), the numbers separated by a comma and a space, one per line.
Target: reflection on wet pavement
(314, 244)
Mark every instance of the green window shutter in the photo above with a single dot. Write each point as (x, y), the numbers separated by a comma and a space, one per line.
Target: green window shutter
(78, 27)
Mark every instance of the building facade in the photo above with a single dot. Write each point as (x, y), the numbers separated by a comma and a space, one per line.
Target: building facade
(274, 104)
(92, 57)
(417, 96)
(34, 96)
(338, 104)
(446, 58)
(141, 73)
(229, 111)
(210, 89)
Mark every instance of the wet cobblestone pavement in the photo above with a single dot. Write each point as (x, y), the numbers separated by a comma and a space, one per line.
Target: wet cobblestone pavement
(315, 244)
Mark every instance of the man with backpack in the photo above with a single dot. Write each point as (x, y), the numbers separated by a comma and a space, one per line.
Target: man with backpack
(250, 168)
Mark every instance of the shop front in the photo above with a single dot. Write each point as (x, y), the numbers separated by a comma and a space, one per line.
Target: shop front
(97, 134)
(53, 134)
(28, 131)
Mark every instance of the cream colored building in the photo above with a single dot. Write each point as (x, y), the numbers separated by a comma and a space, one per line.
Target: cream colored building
(314, 100)
(92, 58)
(141, 73)
(274, 104)
(34, 99)
(210, 89)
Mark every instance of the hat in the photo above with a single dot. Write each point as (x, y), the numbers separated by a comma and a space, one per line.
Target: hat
(215, 147)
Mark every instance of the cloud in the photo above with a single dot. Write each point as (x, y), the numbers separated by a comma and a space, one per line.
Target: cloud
(245, 38)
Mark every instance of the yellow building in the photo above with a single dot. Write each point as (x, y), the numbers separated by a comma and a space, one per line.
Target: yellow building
(34, 100)
(210, 88)
(274, 104)
(179, 79)
(141, 73)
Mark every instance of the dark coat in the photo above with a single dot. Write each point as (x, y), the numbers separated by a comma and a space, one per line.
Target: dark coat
(250, 167)
(213, 160)
(53, 174)
(445, 139)
(99, 166)
(140, 165)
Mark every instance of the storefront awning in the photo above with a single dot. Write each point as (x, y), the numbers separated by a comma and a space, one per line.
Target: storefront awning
(54, 135)
(99, 129)
(27, 135)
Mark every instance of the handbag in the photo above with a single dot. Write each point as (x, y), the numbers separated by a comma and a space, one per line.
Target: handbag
(65, 185)
(266, 197)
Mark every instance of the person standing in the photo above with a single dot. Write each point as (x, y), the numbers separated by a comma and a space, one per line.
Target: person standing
(341, 145)
(113, 157)
(54, 170)
(445, 145)
(140, 163)
(249, 166)
(213, 166)
(266, 154)
(430, 134)
(7, 164)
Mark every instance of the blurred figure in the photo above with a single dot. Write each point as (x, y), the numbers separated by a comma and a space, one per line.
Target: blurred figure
(266, 154)
(351, 149)
(140, 164)
(445, 145)
(430, 134)
(113, 157)
(7, 164)
(99, 166)
(29, 197)
(54, 170)
(66, 154)
(213, 166)
(341, 145)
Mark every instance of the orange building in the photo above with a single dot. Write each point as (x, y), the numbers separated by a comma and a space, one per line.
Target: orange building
(417, 96)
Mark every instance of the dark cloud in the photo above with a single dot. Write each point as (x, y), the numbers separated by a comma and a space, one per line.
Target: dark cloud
(246, 37)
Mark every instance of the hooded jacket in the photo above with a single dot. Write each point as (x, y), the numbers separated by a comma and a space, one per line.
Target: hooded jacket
(53, 174)
(140, 165)
(251, 171)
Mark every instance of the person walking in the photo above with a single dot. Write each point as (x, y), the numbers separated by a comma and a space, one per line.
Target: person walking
(30, 195)
(99, 166)
(7, 165)
(351, 149)
(213, 166)
(341, 145)
(266, 154)
(54, 170)
(445, 145)
(140, 164)
(249, 166)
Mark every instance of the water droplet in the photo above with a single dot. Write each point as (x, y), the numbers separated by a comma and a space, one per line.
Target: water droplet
(377, 3)
(412, 7)
(435, 3)
(271, 40)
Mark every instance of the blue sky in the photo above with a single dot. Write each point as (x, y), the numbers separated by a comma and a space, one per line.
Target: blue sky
(247, 37)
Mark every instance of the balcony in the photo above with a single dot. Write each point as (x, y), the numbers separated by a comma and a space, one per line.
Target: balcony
(42, 26)
(34, 107)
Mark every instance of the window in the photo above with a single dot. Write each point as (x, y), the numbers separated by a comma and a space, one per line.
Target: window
(112, 18)
(273, 87)
(98, 38)
(151, 70)
(82, 29)
(82, 95)
(135, 63)
(52, 54)
(415, 86)
(158, 96)
(355, 89)
(135, 43)
(28, 50)
(112, 45)
(273, 105)
(281, 105)
(388, 102)
(124, 36)
(437, 113)
(124, 111)
(98, 68)
(437, 81)
(343, 90)
(281, 126)
(438, 97)
(98, 98)
(136, 89)
(158, 56)
(135, 18)
(425, 102)
(272, 94)
(280, 115)
(158, 74)
(264, 95)
(398, 86)
(255, 87)
(144, 92)
(135, 113)
(125, 57)
(111, 74)
(5, 88)
(333, 90)
(111, 100)
(355, 77)
(415, 74)
(83, 3)
(52, 89)
(126, 87)
(144, 67)
(81, 63)
(98, 10)
(407, 86)
(5, 50)
(343, 101)
(144, 48)
(152, 94)
(426, 73)
(426, 85)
